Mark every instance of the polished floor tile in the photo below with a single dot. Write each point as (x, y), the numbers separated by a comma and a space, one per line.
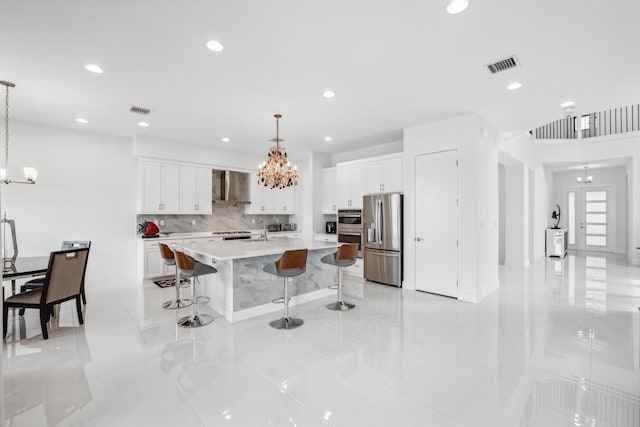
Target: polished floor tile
(557, 345)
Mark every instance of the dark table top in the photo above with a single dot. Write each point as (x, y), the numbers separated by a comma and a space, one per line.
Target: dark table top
(25, 266)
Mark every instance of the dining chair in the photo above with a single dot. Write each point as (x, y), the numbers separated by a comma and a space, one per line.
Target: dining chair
(63, 282)
(38, 281)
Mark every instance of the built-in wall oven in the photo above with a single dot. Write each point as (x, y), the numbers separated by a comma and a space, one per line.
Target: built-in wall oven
(350, 227)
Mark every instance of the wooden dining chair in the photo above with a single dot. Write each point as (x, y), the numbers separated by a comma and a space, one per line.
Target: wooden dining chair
(63, 282)
(39, 281)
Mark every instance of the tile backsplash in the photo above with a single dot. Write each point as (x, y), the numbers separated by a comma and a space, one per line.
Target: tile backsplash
(224, 217)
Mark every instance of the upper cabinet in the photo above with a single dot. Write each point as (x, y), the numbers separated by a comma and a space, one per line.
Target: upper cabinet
(350, 186)
(384, 176)
(170, 188)
(329, 187)
(265, 200)
(195, 190)
(355, 179)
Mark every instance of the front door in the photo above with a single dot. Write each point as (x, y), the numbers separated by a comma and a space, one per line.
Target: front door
(436, 239)
(591, 218)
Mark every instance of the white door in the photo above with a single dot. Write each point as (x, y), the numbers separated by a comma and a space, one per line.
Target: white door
(151, 180)
(436, 239)
(392, 175)
(203, 193)
(373, 177)
(591, 218)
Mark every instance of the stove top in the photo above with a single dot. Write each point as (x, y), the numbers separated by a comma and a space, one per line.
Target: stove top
(230, 233)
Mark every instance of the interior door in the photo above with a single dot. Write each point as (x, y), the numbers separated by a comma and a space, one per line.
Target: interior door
(591, 218)
(436, 239)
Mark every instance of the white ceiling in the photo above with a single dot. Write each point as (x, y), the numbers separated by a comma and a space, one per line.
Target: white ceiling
(595, 164)
(393, 64)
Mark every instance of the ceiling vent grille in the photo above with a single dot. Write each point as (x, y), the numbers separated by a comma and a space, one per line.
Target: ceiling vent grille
(503, 64)
(139, 110)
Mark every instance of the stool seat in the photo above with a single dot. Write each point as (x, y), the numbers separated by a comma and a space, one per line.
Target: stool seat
(345, 256)
(291, 264)
(330, 259)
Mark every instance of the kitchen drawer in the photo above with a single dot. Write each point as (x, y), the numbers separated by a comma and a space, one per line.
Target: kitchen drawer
(333, 238)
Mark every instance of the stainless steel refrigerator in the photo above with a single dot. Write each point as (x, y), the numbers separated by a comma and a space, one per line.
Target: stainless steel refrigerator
(382, 223)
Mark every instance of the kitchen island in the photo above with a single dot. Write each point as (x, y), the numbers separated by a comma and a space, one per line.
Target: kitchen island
(241, 290)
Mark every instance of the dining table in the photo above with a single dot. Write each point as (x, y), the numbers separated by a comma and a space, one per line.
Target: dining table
(24, 268)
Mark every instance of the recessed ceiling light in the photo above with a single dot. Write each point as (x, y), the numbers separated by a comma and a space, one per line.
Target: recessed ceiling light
(328, 138)
(81, 120)
(329, 94)
(93, 68)
(225, 139)
(514, 86)
(215, 46)
(143, 124)
(457, 6)
(567, 104)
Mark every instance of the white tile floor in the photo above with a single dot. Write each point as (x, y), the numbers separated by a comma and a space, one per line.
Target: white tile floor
(558, 345)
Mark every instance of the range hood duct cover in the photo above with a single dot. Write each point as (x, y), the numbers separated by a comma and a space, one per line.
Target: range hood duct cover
(230, 187)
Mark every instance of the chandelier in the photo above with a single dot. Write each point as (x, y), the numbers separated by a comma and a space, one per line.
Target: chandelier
(30, 173)
(276, 171)
(586, 179)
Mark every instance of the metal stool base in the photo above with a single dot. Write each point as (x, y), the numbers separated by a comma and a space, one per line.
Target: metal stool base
(340, 306)
(195, 321)
(203, 299)
(177, 303)
(286, 323)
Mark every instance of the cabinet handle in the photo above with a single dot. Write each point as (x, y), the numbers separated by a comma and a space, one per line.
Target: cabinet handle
(161, 206)
(284, 208)
(196, 207)
(333, 208)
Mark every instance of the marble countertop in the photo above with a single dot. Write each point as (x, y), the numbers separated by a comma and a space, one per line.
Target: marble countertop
(235, 249)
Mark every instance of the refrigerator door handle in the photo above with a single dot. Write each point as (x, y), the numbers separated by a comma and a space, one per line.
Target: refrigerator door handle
(379, 220)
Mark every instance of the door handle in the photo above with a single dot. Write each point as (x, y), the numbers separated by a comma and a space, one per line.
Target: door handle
(418, 239)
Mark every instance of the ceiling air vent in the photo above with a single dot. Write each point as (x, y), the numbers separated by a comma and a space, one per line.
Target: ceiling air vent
(503, 64)
(139, 110)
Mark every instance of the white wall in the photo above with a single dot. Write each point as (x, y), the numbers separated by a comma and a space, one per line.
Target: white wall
(214, 156)
(605, 176)
(84, 192)
(363, 153)
(501, 214)
(516, 221)
(476, 143)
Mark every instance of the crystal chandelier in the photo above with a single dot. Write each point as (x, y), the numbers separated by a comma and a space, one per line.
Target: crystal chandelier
(276, 171)
(30, 173)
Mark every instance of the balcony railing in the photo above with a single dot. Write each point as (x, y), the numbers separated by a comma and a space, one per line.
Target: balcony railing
(601, 123)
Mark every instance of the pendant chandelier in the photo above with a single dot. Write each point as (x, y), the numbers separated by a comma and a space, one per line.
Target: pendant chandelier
(276, 171)
(30, 173)
(586, 179)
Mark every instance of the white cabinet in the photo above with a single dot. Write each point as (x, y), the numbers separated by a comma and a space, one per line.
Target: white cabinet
(351, 186)
(284, 200)
(384, 176)
(329, 188)
(154, 265)
(322, 237)
(265, 200)
(169, 188)
(160, 187)
(195, 190)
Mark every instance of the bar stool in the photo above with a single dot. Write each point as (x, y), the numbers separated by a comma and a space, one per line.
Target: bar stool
(291, 264)
(190, 268)
(345, 256)
(169, 259)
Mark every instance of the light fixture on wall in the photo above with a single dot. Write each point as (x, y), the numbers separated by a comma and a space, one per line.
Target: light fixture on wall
(30, 173)
(585, 179)
(276, 171)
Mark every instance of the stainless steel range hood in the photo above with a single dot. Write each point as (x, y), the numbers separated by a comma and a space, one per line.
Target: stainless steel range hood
(230, 187)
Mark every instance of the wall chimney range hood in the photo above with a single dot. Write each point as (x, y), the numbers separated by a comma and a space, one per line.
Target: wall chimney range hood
(230, 187)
